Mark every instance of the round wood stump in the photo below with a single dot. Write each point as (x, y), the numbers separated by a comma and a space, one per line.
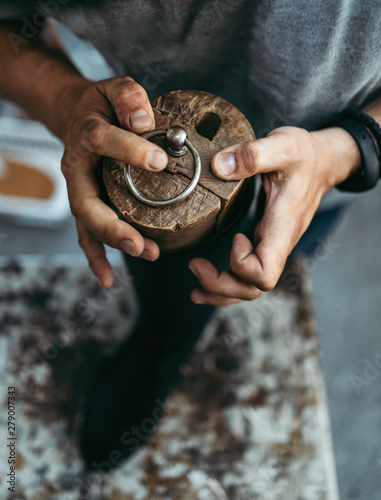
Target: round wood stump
(212, 124)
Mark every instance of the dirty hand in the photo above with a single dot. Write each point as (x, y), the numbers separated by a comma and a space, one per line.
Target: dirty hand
(92, 133)
(297, 169)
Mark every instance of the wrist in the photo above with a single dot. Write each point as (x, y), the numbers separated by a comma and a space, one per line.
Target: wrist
(339, 153)
(65, 104)
(40, 78)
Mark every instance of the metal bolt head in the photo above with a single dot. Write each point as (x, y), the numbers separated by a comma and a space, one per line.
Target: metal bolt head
(176, 137)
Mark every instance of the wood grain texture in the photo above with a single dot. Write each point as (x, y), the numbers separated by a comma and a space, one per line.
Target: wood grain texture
(174, 227)
(212, 124)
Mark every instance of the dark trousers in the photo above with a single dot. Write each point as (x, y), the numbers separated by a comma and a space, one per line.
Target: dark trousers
(163, 287)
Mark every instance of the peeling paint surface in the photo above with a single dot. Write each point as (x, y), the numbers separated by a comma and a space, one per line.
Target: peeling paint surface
(247, 420)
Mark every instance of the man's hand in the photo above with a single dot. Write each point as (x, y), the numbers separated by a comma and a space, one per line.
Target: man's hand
(42, 80)
(92, 133)
(297, 169)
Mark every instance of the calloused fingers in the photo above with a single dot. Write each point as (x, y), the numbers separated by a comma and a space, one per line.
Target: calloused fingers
(130, 102)
(96, 256)
(224, 284)
(104, 139)
(98, 218)
(199, 296)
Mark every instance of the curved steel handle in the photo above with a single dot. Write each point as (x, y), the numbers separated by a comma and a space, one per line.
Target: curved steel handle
(178, 144)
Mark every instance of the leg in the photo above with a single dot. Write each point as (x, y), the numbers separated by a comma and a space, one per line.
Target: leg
(133, 383)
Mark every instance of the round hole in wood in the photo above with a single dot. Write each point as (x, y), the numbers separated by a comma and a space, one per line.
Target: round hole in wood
(209, 125)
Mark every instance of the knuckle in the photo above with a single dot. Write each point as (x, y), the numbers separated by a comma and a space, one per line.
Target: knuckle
(96, 136)
(76, 208)
(137, 92)
(108, 233)
(238, 267)
(267, 283)
(207, 286)
(252, 294)
(131, 93)
(235, 268)
(246, 157)
(264, 283)
(122, 81)
(64, 166)
(295, 145)
(67, 161)
(292, 147)
(90, 92)
(76, 128)
(93, 258)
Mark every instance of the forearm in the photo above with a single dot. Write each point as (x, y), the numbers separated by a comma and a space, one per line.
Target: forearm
(39, 78)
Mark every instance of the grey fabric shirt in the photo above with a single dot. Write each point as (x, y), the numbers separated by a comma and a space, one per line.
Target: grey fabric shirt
(282, 62)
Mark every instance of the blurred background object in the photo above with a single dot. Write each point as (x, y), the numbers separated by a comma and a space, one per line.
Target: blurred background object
(346, 281)
(32, 188)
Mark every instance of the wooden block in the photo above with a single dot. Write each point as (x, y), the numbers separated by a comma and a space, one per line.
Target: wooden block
(212, 124)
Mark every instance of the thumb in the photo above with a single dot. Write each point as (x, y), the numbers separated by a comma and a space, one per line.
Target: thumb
(256, 157)
(131, 104)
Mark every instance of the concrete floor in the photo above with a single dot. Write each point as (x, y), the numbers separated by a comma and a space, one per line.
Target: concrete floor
(347, 301)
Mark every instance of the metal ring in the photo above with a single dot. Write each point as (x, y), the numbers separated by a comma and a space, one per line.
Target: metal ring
(180, 197)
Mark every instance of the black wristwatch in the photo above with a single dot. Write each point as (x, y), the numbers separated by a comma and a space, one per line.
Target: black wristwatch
(359, 124)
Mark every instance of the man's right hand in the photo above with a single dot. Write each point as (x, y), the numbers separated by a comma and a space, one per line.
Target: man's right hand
(91, 133)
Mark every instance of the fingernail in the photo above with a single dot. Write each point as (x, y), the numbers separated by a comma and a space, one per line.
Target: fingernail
(199, 301)
(194, 271)
(147, 255)
(225, 164)
(140, 119)
(128, 246)
(157, 160)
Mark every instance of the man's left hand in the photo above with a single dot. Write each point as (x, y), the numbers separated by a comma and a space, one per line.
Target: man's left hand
(297, 168)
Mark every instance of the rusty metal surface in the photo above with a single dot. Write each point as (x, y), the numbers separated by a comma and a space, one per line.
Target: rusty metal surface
(247, 420)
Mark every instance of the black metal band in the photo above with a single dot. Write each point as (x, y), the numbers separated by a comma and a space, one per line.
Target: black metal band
(369, 173)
